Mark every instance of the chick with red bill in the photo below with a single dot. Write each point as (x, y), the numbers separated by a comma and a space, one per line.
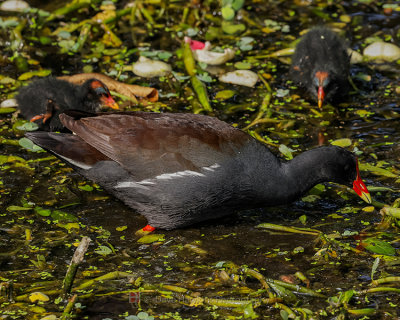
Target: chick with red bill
(43, 100)
(321, 64)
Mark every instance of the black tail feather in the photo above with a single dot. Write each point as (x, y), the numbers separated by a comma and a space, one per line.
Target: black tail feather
(68, 147)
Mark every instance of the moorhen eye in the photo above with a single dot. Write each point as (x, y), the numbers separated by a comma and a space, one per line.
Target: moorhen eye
(321, 60)
(180, 169)
(46, 98)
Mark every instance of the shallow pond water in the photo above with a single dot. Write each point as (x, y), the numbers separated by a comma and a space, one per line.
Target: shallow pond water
(217, 269)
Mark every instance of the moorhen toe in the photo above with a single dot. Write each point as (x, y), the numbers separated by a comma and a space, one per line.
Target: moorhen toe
(322, 65)
(179, 169)
(45, 99)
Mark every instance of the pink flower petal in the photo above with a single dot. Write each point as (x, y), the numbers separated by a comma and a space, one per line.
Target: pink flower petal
(194, 44)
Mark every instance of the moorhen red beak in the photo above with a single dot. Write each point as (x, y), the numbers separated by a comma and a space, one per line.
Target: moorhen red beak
(180, 169)
(360, 188)
(103, 93)
(45, 99)
(322, 78)
(321, 64)
(110, 102)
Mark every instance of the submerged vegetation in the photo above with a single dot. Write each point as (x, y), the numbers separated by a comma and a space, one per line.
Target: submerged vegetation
(327, 255)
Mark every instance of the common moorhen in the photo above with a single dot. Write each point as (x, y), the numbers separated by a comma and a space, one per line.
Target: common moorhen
(322, 65)
(45, 99)
(179, 169)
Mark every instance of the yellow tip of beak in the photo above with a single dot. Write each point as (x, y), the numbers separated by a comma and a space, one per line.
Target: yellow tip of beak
(320, 101)
(114, 106)
(366, 197)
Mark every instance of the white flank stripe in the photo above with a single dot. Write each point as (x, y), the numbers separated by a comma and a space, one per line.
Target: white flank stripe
(179, 174)
(165, 176)
(211, 168)
(147, 182)
(130, 184)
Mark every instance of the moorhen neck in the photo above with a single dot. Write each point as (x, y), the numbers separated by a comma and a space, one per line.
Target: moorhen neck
(45, 99)
(179, 169)
(322, 65)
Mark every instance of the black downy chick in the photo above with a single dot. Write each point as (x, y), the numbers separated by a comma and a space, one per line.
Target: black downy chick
(321, 64)
(45, 99)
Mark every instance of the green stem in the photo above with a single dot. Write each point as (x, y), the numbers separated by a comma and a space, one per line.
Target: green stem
(289, 229)
(385, 280)
(380, 289)
(68, 308)
(75, 262)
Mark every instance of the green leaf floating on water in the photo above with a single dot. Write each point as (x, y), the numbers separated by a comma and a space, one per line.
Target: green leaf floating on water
(201, 92)
(204, 77)
(228, 13)
(231, 28)
(287, 152)
(63, 216)
(188, 60)
(345, 142)
(29, 145)
(237, 4)
(379, 247)
(249, 312)
(103, 250)
(150, 238)
(377, 170)
(164, 55)
(141, 316)
(11, 159)
(56, 214)
(31, 74)
(43, 212)
(243, 65)
(69, 226)
(310, 198)
(86, 187)
(224, 94)
(7, 110)
(45, 40)
(362, 312)
(284, 314)
(375, 267)
(28, 126)
(346, 296)
(18, 208)
(283, 293)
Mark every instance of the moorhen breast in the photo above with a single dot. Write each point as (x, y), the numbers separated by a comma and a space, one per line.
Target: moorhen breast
(45, 99)
(321, 64)
(179, 169)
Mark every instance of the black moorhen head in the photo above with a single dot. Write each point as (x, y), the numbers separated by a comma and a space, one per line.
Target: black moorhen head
(45, 99)
(322, 65)
(179, 169)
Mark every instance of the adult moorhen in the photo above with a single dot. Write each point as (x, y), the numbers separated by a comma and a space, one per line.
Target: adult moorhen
(322, 65)
(179, 169)
(45, 99)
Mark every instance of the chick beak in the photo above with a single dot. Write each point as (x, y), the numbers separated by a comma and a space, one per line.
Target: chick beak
(322, 77)
(321, 96)
(110, 102)
(360, 188)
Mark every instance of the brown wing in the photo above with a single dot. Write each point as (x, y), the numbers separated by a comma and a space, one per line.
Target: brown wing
(150, 144)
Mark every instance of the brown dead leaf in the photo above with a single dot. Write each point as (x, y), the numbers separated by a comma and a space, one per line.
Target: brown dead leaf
(130, 90)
